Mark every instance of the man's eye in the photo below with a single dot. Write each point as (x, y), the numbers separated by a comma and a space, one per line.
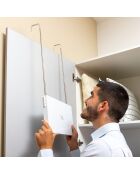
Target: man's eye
(91, 93)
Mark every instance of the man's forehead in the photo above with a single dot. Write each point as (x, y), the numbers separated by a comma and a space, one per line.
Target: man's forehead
(96, 89)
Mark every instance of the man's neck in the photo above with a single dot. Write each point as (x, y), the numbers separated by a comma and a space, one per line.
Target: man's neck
(100, 122)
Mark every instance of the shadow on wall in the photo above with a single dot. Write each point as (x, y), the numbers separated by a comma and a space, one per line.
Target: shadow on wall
(32, 149)
(60, 145)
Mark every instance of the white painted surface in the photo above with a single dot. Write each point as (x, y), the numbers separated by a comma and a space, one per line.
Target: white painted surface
(116, 34)
(24, 91)
(116, 65)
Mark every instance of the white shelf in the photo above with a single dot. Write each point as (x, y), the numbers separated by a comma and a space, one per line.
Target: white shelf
(120, 66)
(131, 125)
(126, 125)
(117, 65)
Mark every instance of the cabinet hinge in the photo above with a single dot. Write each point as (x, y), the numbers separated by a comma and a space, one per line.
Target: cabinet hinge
(74, 78)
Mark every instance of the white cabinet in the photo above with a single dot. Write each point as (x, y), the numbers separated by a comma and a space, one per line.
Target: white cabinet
(24, 88)
(123, 67)
(24, 91)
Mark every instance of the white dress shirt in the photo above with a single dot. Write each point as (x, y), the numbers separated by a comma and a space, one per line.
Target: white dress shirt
(107, 141)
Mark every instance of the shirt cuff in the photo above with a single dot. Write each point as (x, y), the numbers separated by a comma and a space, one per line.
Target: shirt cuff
(45, 153)
(75, 153)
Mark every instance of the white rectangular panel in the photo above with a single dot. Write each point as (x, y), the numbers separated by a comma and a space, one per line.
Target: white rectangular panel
(59, 116)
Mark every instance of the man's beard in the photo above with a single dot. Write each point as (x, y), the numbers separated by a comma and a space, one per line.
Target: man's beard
(90, 113)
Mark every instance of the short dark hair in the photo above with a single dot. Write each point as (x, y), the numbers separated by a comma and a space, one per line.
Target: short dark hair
(116, 96)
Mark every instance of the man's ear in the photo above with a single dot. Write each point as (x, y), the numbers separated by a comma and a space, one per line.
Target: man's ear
(103, 106)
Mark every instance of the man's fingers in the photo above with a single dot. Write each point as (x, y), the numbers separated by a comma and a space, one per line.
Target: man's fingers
(54, 135)
(36, 135)
(46, 124)
(68, 137)
(44, 128)
(73, 129)
(41, 131)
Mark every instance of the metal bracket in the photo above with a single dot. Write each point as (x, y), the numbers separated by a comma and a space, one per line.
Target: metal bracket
(62, 64)
(77, 79)
(42, 58)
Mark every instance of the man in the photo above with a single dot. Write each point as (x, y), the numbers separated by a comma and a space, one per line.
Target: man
(104, 108)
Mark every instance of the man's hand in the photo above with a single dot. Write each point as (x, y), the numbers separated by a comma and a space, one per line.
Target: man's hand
(45, 136)
(73, 139)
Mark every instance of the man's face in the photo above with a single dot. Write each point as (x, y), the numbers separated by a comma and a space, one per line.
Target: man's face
(90, 113)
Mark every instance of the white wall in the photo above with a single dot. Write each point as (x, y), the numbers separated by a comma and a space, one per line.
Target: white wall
(77, 35)
(116, 34)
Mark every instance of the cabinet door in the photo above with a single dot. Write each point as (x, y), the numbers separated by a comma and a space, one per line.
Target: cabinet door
(24, 91)
(71, 100)
(69, 69)
(55, 88)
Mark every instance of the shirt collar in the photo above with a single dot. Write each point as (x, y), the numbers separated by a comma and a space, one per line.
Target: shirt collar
(105, 129)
